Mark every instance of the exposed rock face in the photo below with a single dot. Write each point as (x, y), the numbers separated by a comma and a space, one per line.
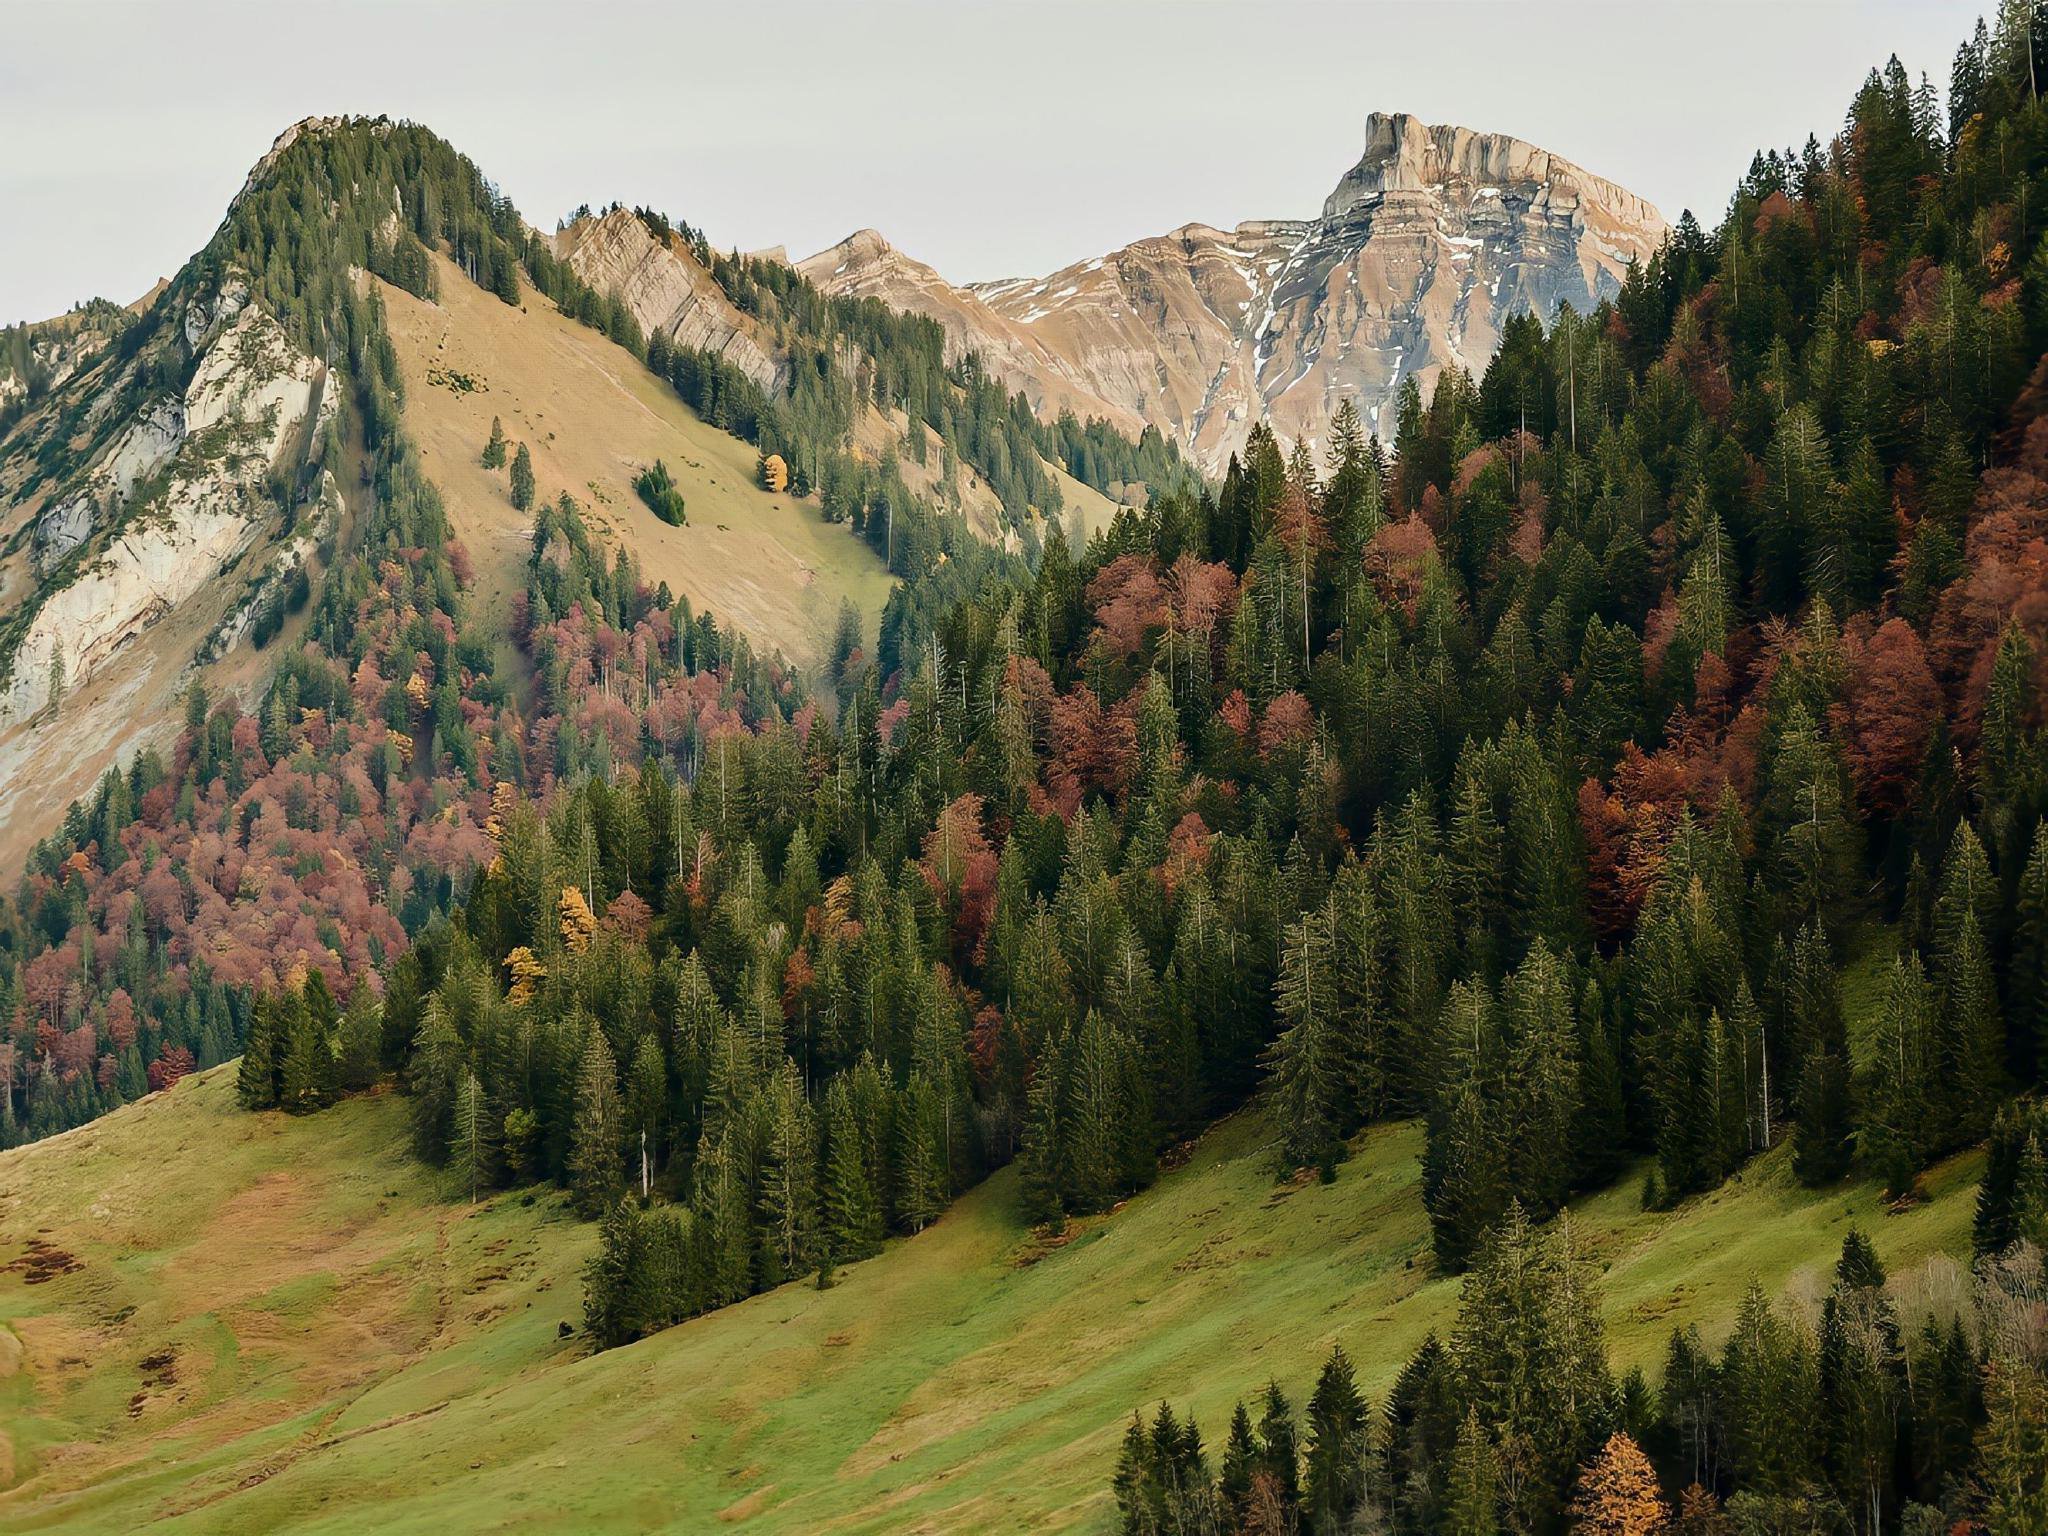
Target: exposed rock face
(665, 288)
(204, 458)
(866, 265)
(1422, 252)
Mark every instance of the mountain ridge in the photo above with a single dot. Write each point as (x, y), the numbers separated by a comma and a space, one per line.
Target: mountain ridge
(1425, 247)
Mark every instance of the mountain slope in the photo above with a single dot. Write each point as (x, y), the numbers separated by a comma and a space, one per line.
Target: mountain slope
(665, 286)
(345, 1348)
(593, 417)
(1423, 250)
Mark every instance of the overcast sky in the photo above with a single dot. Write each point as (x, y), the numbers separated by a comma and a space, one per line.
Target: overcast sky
(988, 139)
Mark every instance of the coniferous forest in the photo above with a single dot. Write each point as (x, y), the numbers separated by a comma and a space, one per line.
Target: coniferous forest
(1634, 766)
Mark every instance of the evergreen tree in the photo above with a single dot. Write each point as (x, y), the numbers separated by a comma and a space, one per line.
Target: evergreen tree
(494, 450)
(256, 1077)
(595, 1180)
(522, 479)
(1472, 1505)
(1308, 1070)
(468, 1149)
(1338, 1447)
(852, 1215)
(1897, 1127)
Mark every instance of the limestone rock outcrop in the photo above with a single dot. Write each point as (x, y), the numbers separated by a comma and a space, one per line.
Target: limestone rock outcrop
(661, 282)
(1421, 253)
(179, 496)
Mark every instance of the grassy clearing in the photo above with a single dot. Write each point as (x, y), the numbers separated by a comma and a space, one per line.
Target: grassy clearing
(348, 1350)
(593, 418)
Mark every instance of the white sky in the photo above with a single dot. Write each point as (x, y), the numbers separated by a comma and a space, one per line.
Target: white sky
(990, 139)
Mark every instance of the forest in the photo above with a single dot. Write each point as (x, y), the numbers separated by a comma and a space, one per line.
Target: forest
(1635, 766)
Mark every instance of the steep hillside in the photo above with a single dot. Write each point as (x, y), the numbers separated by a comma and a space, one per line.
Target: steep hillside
(303, 1333)
(1424, 249)
(593, 418)
(661, 281)
(152, 505)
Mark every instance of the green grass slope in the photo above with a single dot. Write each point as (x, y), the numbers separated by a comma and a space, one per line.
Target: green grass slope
(593, 417)
(347, 1351)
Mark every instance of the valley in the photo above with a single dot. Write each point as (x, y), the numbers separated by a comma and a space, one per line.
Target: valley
(1381, 873)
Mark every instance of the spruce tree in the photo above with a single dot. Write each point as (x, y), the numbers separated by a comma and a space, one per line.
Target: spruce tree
(494, 450)
(1279, 1463)
(1897, 1126)
(610, 1276)
(522, 479)
(1043, 1176)
(1240, 1462)
(256, 1078)
(468, 1149)
(595, 1181)
(306, 1073)
(2026, 985)
(1969, 1039)
(1307, 1066)
(789, 1193)
(1472, 1502)
(1339, 1446)
(852, 1215)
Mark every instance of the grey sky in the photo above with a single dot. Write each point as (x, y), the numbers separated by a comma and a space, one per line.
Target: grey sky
(987, 139)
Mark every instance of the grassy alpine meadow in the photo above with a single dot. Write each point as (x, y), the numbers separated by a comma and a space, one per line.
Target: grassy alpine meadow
(309, 1332)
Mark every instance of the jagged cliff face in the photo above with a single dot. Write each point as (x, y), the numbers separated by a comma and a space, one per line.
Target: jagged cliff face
(179, 496)
(1420, 255)
(661, 282)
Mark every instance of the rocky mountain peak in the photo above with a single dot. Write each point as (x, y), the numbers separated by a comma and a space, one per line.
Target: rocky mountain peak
(1433, 238)
(1403, 154)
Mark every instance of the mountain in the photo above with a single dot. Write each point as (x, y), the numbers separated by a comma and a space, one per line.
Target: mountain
(1421, 253)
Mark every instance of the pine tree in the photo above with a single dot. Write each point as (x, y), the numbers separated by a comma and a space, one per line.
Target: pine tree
(306, 1073)
(2013, 1451)
(1279, 1462)
(494, 450)
(2027, 973)
(922, 1179)
(1044, 1157)
(789, 1194)
(610, 1276)
(1766, 1382)
(1969, 1039)
(1240, 1463)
